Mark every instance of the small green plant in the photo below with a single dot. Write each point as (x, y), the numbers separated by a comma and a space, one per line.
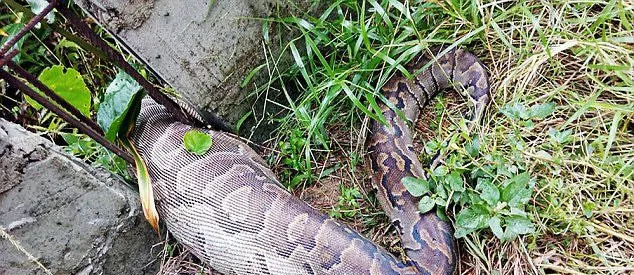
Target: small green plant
(348, 204)
(355, 160)
(492, 189)
(84, 147)
(525, 116)
(297, 167)
(498, 200)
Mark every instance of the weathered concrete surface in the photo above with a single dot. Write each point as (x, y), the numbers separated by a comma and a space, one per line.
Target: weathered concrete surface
(203, 52)
(72, 218)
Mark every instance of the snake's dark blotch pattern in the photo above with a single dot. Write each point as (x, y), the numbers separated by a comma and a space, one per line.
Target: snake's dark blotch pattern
(231, 211)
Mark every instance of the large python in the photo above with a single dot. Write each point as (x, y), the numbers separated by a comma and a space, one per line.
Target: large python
(228, 208)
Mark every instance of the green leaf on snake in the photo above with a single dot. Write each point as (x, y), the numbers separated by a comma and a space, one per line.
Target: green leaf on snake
(197, 142)
(415, 186)
(426, 204)
(117, 102)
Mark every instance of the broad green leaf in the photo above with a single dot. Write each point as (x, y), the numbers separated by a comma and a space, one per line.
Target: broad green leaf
(415, 186)
(544, 155)
(522, 178)
(518, 191)
(69, 85)
(462, 231)
(488, 191)
(440, 212)
(518, 211)
(440, 191)
(440, 171)
(197, 142)
(473, 217)
(70, 138)
(426, 204)
(441, 201)
(432, 146)
(119, 98)
(541, 111)
(515, 111)
(78, 145)
(496, 227)
(454, 181)
(559, 137)
(517, 225)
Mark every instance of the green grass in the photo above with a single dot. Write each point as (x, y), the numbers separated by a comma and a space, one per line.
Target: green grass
(563, 104)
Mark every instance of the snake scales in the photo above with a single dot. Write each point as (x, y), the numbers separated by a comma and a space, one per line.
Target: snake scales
(231, 211)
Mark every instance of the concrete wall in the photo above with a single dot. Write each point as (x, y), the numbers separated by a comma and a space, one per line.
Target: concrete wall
(203, 51)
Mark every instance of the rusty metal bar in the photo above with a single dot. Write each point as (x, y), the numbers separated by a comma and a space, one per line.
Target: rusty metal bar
(4, 59)
(52, 95)
(13, 81)
(36, 19)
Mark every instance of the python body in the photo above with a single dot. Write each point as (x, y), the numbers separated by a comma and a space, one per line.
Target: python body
(232, 212)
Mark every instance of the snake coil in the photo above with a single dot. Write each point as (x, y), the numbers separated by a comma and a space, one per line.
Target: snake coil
(229, 209)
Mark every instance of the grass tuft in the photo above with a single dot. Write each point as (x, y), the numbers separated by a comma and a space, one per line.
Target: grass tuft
(562, 112)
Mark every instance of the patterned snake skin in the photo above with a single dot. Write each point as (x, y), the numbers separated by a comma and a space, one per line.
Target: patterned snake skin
(232, 212)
